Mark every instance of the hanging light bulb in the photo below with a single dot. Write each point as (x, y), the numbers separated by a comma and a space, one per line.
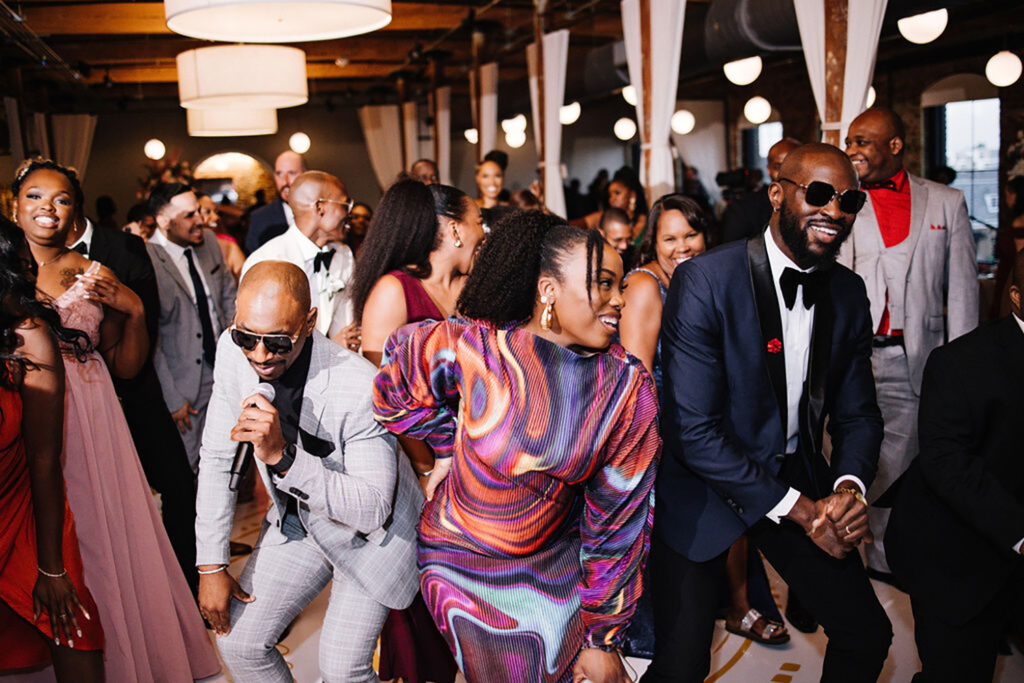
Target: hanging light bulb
(871, 97)
(683, 121)
(299, 142)
(625, 129)
(517, 122)
(923, 28)
(757, 110)
(1003, 69)
(569, 113)
(629, 94)
(515, 138)
(472, 135)
(743, 71)
(154, 149)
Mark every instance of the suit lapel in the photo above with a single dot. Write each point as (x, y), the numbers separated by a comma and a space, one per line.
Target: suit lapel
(918, 206)
(770, 321)
(318, 381)
(164, 260)
(818, 364)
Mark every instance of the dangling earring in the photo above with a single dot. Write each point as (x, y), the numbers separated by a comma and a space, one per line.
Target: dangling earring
(545, 316)
(458, 240)
(632, 204)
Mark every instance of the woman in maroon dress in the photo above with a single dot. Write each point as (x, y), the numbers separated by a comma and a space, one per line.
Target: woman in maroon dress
(46, 612)
(418, 251)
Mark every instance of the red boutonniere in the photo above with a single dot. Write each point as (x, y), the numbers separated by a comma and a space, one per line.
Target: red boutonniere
(774, 346)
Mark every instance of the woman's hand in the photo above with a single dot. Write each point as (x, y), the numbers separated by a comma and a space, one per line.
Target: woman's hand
(441, 468)
(108, 290)
(598, 666)
(60, 600)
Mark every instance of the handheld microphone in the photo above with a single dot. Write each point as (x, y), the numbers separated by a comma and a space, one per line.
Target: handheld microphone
(243, 453)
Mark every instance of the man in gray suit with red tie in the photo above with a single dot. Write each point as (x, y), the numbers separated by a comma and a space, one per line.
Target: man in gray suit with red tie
(914, 248)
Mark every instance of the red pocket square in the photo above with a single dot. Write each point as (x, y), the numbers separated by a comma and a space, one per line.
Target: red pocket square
(938, 227)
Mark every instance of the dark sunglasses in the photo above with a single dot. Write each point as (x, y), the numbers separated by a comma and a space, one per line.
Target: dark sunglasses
(820, 193)
(277, 344)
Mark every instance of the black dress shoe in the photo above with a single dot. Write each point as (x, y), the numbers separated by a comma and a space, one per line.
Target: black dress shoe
(798, 617)
(237, 548)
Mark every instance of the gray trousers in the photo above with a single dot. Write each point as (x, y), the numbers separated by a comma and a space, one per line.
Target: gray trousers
(284, 579)
(193, 438)
(899, 405)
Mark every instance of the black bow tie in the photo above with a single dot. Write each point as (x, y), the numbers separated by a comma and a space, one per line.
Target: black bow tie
(813, 283)
(323, 259)
(884, 185)
(82, 248)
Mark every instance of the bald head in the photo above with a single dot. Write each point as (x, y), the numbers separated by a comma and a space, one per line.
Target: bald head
(287, 167)
(273, 301)
(425, 171)
(807, 161)
(778, 153)
(319, 201)
(875, 145)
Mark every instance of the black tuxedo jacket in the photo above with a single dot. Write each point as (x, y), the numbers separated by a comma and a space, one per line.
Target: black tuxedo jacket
(265, 223)
(724, 412)
(959, 509)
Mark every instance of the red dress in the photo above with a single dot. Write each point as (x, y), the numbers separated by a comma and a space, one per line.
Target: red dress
(25, 643)
(411, 647)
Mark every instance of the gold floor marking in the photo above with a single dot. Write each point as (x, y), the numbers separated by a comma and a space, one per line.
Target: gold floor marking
(731, 663)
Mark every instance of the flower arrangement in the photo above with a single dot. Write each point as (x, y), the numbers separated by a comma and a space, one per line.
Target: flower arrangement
(171, 169)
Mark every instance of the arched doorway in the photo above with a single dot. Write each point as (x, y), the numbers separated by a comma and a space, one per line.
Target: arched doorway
(235, 177)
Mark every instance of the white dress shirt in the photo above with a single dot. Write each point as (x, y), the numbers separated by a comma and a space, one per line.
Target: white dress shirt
(327, 288)
(85, 238)
(177, 254)
(797, 325)
(289, 215)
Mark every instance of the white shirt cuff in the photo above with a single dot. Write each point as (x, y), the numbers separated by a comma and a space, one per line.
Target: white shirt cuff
(784, 506)
(1017, 545)
(855, 479)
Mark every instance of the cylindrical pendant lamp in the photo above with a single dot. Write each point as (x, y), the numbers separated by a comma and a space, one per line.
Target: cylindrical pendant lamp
(216, 123)
(275, 21)
(242, 77)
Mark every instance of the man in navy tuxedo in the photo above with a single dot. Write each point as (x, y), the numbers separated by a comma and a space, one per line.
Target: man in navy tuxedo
(762, 340)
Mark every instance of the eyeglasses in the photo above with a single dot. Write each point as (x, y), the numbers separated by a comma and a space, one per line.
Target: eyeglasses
(277, 344)
(347, 204)
(820, 193)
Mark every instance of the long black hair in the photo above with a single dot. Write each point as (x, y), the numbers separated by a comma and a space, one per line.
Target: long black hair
(523, 246)
(18, 303)
(670, 202)
(403, 232)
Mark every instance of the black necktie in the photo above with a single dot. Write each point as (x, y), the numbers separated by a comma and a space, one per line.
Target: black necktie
(792, 278)
(323, 259)
(209, 343)
(82, 248)
(884, 185)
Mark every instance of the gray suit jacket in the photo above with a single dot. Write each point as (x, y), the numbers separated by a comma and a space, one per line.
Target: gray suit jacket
(178, 352)
(358, 497)
(941, 271)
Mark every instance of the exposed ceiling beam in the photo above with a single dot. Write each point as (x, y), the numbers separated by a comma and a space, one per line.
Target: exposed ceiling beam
(168, 73)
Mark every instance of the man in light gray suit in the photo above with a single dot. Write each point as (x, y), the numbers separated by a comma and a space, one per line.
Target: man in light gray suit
(197, 300)
(913, 246)
(343, 507)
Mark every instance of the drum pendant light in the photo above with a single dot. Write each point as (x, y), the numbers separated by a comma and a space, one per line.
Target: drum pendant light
(242, 77)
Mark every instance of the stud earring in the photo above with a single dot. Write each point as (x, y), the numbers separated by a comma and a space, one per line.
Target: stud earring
(546, 314)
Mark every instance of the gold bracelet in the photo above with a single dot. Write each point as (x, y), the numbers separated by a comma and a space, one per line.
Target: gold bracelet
(52, 576)
(856, 494)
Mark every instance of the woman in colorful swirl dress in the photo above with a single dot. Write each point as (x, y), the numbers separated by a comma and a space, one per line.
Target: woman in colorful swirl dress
(537, 525)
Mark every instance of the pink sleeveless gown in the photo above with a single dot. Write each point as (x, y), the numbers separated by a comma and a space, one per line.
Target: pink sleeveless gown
(150, 619)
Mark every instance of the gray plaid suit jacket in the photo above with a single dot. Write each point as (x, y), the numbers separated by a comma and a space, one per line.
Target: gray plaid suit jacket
(358, 497)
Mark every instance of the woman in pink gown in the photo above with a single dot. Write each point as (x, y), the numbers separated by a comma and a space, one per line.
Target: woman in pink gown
(150, 619)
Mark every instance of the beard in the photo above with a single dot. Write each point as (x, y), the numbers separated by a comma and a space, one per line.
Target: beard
(796, 238)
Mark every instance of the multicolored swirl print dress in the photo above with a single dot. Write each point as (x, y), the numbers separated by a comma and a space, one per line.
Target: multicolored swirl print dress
(533, 545)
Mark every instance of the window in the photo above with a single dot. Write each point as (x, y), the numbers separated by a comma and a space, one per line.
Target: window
(756, 143)
(964, 136)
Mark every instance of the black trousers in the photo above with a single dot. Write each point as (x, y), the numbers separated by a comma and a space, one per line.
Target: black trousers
(837, 592)
(965, 653)
(165, 463)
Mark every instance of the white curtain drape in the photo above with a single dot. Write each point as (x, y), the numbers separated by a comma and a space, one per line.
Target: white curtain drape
(72, 137)
(383, 141)
(666, 42)
(487, 119)
(703, 148)
(556, 56)
(443, 133)
(411, 133)
(864, 24)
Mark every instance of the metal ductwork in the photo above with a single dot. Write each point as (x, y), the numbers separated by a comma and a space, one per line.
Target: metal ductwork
(734, 29)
